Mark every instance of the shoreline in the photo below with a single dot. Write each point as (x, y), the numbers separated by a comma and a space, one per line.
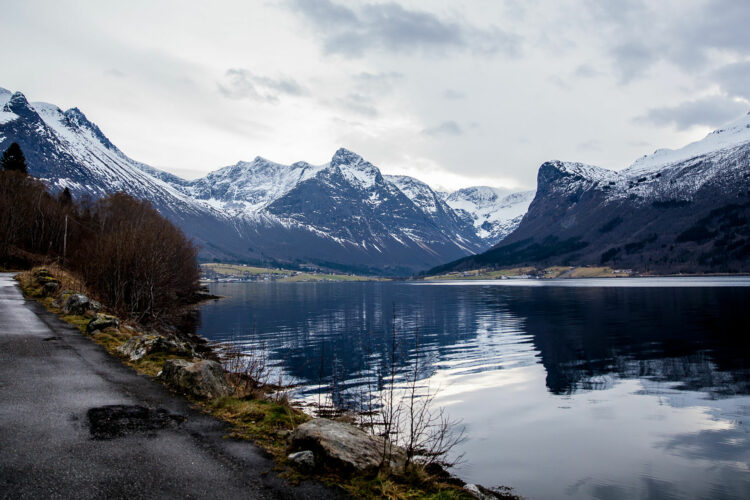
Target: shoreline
(256, 417)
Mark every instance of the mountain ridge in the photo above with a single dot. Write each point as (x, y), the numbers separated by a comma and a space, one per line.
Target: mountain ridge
(676, 211)
(342, 215)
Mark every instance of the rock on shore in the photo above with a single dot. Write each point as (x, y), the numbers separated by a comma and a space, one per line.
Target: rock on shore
(202, 379)
(344, 446)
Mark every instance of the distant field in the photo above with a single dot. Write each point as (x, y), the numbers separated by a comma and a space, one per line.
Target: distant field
(283, 275)
(547, 273)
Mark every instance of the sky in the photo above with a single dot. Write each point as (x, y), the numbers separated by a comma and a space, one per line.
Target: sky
(455, 93)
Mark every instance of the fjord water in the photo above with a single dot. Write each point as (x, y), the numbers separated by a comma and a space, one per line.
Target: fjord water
(614, 388)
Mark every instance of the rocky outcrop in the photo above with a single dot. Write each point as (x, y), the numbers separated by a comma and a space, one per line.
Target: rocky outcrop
(345, 447)
(202, 379)
(480, 492)
(102, 321)
(76, 304)
(141, 346)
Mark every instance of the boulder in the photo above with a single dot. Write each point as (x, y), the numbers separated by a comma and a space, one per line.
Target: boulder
(42, 273)
(480, 492)
(137, 348)
(76, 304)
(343, 446)
(304, 459)
(102, 321)
(202, 379)
(42, 276)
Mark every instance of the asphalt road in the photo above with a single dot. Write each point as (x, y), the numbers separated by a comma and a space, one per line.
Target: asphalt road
(51, 376)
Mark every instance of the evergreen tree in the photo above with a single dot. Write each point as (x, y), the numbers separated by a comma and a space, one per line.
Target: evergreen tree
(65, 198)
(13, 159)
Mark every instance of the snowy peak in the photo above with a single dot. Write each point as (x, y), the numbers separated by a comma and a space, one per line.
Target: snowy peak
(358, 172)
(343, 214)
(418, 192)
(250, 185)
(6, 115)
(495, 213)
(732, 135)
(553, 171)
(476, 194)
(19, 106)
(17, 102)
(343, 156)
(77, 119)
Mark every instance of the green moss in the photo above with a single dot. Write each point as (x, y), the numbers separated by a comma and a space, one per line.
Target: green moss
(111, 340)
(263, 421)
(79, 322)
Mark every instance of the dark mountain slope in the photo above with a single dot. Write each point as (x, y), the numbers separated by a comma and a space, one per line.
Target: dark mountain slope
(675, 211)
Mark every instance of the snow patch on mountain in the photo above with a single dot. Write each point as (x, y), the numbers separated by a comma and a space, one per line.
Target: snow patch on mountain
(6, 115)
(358, 172)
(249, 186)
(734, 134)
(417, 191)
(495, 213)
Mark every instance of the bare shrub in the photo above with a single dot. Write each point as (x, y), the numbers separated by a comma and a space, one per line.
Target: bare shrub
(247, 368)
(140, 264)
(429, 435)
(399, 407)
(134, 260)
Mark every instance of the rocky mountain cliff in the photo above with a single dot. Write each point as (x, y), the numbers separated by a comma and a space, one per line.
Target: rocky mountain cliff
(343, 215)
(685, 210)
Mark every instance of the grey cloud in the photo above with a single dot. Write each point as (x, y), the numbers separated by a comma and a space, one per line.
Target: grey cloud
(377, 83)
(391, 27)
(734, 79)
(648, 32)
(632, 60)
(586, 71)
(449, 127)
(453, 94)
(723, 25)
(711, 111)
(243, 84)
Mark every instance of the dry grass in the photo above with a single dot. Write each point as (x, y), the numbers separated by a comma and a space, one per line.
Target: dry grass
(546, 273)
(281, 275)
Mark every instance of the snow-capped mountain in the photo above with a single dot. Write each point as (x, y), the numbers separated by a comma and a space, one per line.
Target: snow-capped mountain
(495, 213)
(685, 210)
(341, 215)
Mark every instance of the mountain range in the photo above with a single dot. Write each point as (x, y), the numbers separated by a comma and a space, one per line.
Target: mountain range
(674, 211)
(343, 215)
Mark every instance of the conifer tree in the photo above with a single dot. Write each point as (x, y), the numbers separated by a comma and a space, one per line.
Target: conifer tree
(65, 198)
(13, 159)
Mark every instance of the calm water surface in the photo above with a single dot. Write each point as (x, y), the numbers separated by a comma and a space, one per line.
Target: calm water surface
(627, 388)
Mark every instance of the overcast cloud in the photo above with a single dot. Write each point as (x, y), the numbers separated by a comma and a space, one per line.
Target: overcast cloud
(454, 93)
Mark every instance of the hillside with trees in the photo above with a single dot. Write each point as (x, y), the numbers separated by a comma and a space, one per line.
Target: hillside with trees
(134, 260)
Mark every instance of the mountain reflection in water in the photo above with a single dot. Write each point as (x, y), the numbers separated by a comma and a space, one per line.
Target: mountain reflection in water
(488, 346)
